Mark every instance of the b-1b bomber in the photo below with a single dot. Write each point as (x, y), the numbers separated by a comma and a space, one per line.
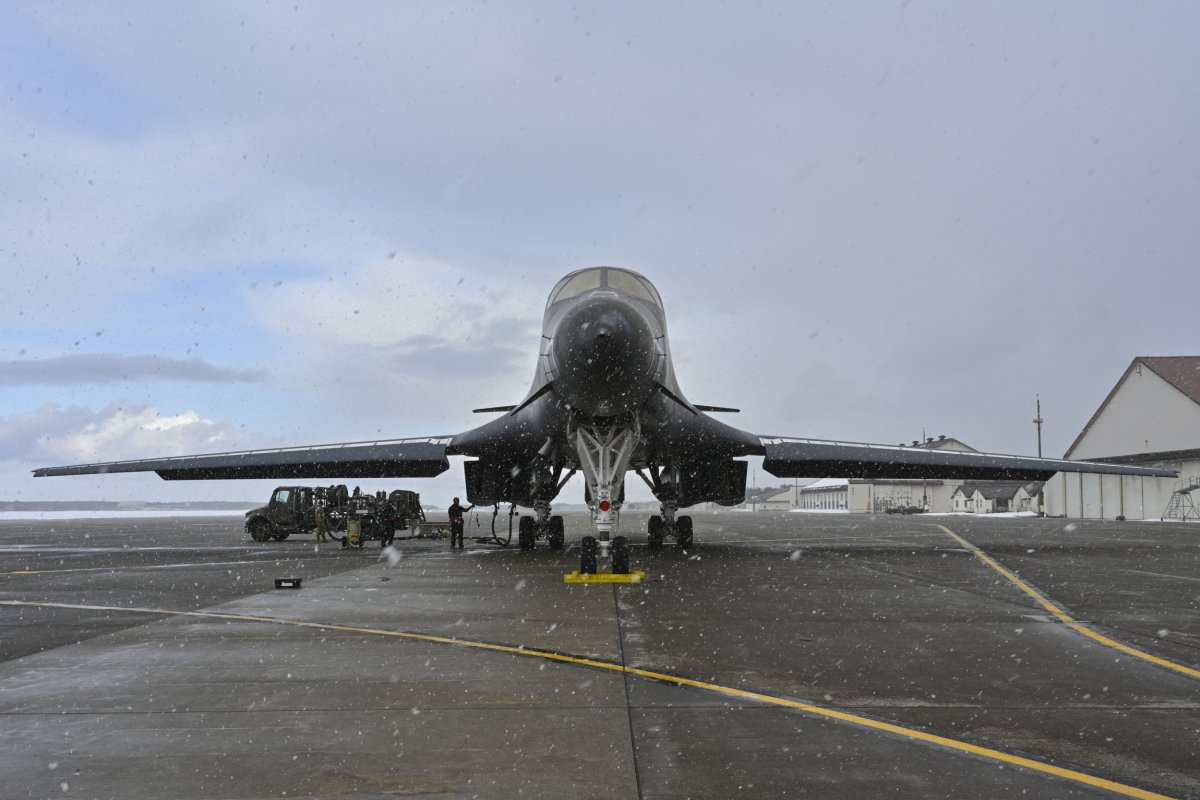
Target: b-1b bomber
(605, 402)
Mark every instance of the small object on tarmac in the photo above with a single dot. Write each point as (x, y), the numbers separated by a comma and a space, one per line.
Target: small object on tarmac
(288, 583)
(636, 576)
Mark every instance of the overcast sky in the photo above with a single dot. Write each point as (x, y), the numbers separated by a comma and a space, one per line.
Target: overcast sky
(243, 225)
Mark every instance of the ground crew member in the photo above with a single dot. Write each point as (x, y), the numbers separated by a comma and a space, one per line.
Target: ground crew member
(387, 519)
(456, 523)
(319, 516)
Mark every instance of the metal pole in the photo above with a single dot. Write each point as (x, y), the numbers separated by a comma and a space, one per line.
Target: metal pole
(1038, 422)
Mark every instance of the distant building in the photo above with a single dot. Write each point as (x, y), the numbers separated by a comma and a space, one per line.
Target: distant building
(993, 497)
(942, 443)
(826, 494)
(1151, 417)
(785, 499)
(863, 496)
(867, 496)
(860, 496)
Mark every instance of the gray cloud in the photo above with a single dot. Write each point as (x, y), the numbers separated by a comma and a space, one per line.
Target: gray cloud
(441, 358)
(113, 368)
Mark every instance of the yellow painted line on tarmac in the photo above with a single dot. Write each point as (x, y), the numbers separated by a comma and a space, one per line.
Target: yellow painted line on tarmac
(817, 711)
(1066, 618)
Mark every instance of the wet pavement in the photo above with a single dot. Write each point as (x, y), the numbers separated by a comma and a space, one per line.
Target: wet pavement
(352, 687)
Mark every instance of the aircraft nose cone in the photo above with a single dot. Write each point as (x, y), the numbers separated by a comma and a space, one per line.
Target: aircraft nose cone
(607, 338)
(604, 357)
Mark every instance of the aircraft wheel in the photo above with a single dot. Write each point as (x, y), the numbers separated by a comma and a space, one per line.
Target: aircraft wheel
(587, 561)
(620, 555)
(525, 532)
(683, 532)
(260, 530)
(557, 536)
(654, 532)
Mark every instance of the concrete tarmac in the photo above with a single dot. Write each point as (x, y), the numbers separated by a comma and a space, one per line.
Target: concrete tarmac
(479, 673)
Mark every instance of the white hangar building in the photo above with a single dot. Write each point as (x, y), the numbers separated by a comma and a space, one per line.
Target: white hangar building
(1151, 417)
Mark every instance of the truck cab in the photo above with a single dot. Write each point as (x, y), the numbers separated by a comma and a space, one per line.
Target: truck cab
(290, 510)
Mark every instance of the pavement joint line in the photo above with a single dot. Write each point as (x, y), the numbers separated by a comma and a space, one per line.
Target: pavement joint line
(854, 720)
(1066, 619)
(132, 567)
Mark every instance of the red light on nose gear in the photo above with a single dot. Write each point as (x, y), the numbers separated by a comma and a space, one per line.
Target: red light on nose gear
(604, 505)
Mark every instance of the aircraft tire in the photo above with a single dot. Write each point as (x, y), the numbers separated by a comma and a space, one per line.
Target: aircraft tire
(654, 533)
(525, 532)
(620, 556)
(260, 530)
(557, 536)
(587, 561)
(683, 532)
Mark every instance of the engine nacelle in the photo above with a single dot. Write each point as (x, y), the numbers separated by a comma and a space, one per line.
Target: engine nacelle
(720, 482)
(491, 482)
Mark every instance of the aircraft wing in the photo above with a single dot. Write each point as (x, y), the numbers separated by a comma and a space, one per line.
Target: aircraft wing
(393, 458)
(813, 458)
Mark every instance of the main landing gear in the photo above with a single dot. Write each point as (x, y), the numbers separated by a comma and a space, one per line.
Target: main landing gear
(541, 525)
(660, 527)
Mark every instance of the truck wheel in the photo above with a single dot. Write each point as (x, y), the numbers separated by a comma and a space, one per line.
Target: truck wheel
(260, 530)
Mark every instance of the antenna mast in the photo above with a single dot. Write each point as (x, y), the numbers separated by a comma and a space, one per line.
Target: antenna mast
(1038, 422)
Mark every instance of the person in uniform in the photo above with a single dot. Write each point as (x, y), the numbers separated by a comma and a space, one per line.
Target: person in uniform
(387, 519)
(319, 517)
(456, 523)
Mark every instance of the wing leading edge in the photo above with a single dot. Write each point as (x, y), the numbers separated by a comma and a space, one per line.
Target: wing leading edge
(393, 458)
(813, 458)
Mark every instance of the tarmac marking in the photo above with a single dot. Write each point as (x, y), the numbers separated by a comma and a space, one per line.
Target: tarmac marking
(1066, 618)
(131, 568)
(1165, 575)
(727, 691)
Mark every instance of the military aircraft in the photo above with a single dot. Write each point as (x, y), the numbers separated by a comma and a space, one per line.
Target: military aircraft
(604, 401)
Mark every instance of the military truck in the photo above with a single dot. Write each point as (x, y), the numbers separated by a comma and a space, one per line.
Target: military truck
(292, 509)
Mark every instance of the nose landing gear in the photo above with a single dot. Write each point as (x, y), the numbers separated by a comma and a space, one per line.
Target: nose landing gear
(604, 453)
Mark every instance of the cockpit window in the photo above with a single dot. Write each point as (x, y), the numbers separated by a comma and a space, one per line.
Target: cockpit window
(632, 285)
(584, 281)
(618, 280)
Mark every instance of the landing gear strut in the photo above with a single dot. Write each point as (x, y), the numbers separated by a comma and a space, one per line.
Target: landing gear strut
(664, 482)
(604, 453)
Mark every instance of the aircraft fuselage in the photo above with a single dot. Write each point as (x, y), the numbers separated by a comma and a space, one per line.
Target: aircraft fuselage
(604, 365)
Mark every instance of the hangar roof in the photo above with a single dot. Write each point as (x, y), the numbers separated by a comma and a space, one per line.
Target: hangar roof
(1181, 372)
